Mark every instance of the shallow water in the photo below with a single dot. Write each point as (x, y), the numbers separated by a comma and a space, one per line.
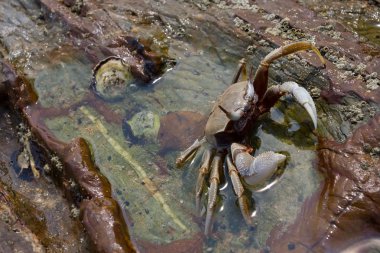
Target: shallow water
(192, 85)
(157, 198)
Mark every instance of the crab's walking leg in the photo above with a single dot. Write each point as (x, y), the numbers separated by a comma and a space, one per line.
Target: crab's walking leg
(213, 190)
(260, 81)
(203, 172)
(300, 94)
(241, 69)
(239, 191)
(189, 152)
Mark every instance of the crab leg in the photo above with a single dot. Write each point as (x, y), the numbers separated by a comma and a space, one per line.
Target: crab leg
(260, 81)
(189, 152)
(239, 191)
(203, 171)
(213, 190)
(241, 69)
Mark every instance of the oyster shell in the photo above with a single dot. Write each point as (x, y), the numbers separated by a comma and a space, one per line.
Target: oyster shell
(111, 78)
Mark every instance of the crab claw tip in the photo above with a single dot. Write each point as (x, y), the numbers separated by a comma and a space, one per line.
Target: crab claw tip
(303, 97)
(312, 113)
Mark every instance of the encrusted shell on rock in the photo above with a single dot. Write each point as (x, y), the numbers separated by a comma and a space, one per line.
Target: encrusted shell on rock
(142, 127)
(111, 78)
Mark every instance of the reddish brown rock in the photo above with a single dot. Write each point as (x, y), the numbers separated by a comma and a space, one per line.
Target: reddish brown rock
(306, 21)
(108, 38)
(178, 130)
(100, 213)
(108, 233)
(29, 207)
(347, 207)
(15, 236)
(194, 244)
(81, 168)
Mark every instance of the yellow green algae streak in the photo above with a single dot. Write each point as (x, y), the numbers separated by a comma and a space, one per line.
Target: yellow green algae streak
(153, 202)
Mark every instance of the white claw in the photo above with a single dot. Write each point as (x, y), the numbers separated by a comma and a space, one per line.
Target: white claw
(255, 170)
(310, 108)
(263, 167)
(303, 97)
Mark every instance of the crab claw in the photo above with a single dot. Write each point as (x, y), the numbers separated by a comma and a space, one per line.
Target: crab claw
(303, 97)
(255, 170)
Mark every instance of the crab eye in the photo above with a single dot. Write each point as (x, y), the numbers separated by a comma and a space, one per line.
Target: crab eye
(250, 91)
(246, 108)
(248, 98)
(235, 115)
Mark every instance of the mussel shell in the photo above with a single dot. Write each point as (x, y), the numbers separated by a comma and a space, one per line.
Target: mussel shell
(111, 78)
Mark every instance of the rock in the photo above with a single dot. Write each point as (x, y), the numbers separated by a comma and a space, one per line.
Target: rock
(100, 217)
(15, 236)
(191, 244)
(346, 208)
(34, 215)
(178, 130)
(143, 126)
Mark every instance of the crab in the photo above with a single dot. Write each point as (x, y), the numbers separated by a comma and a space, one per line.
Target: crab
(228, 125)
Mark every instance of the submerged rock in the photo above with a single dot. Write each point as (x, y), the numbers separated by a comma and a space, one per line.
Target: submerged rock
(178, 130)
(143, 126)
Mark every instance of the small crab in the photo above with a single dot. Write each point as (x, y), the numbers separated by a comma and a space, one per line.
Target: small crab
(230, 121)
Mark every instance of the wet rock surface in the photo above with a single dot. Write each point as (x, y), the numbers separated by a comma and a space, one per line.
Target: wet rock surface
(342, 51)
(346, 208)
(15, 236)
(35, 217)
(53, 45)
(75, 171)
